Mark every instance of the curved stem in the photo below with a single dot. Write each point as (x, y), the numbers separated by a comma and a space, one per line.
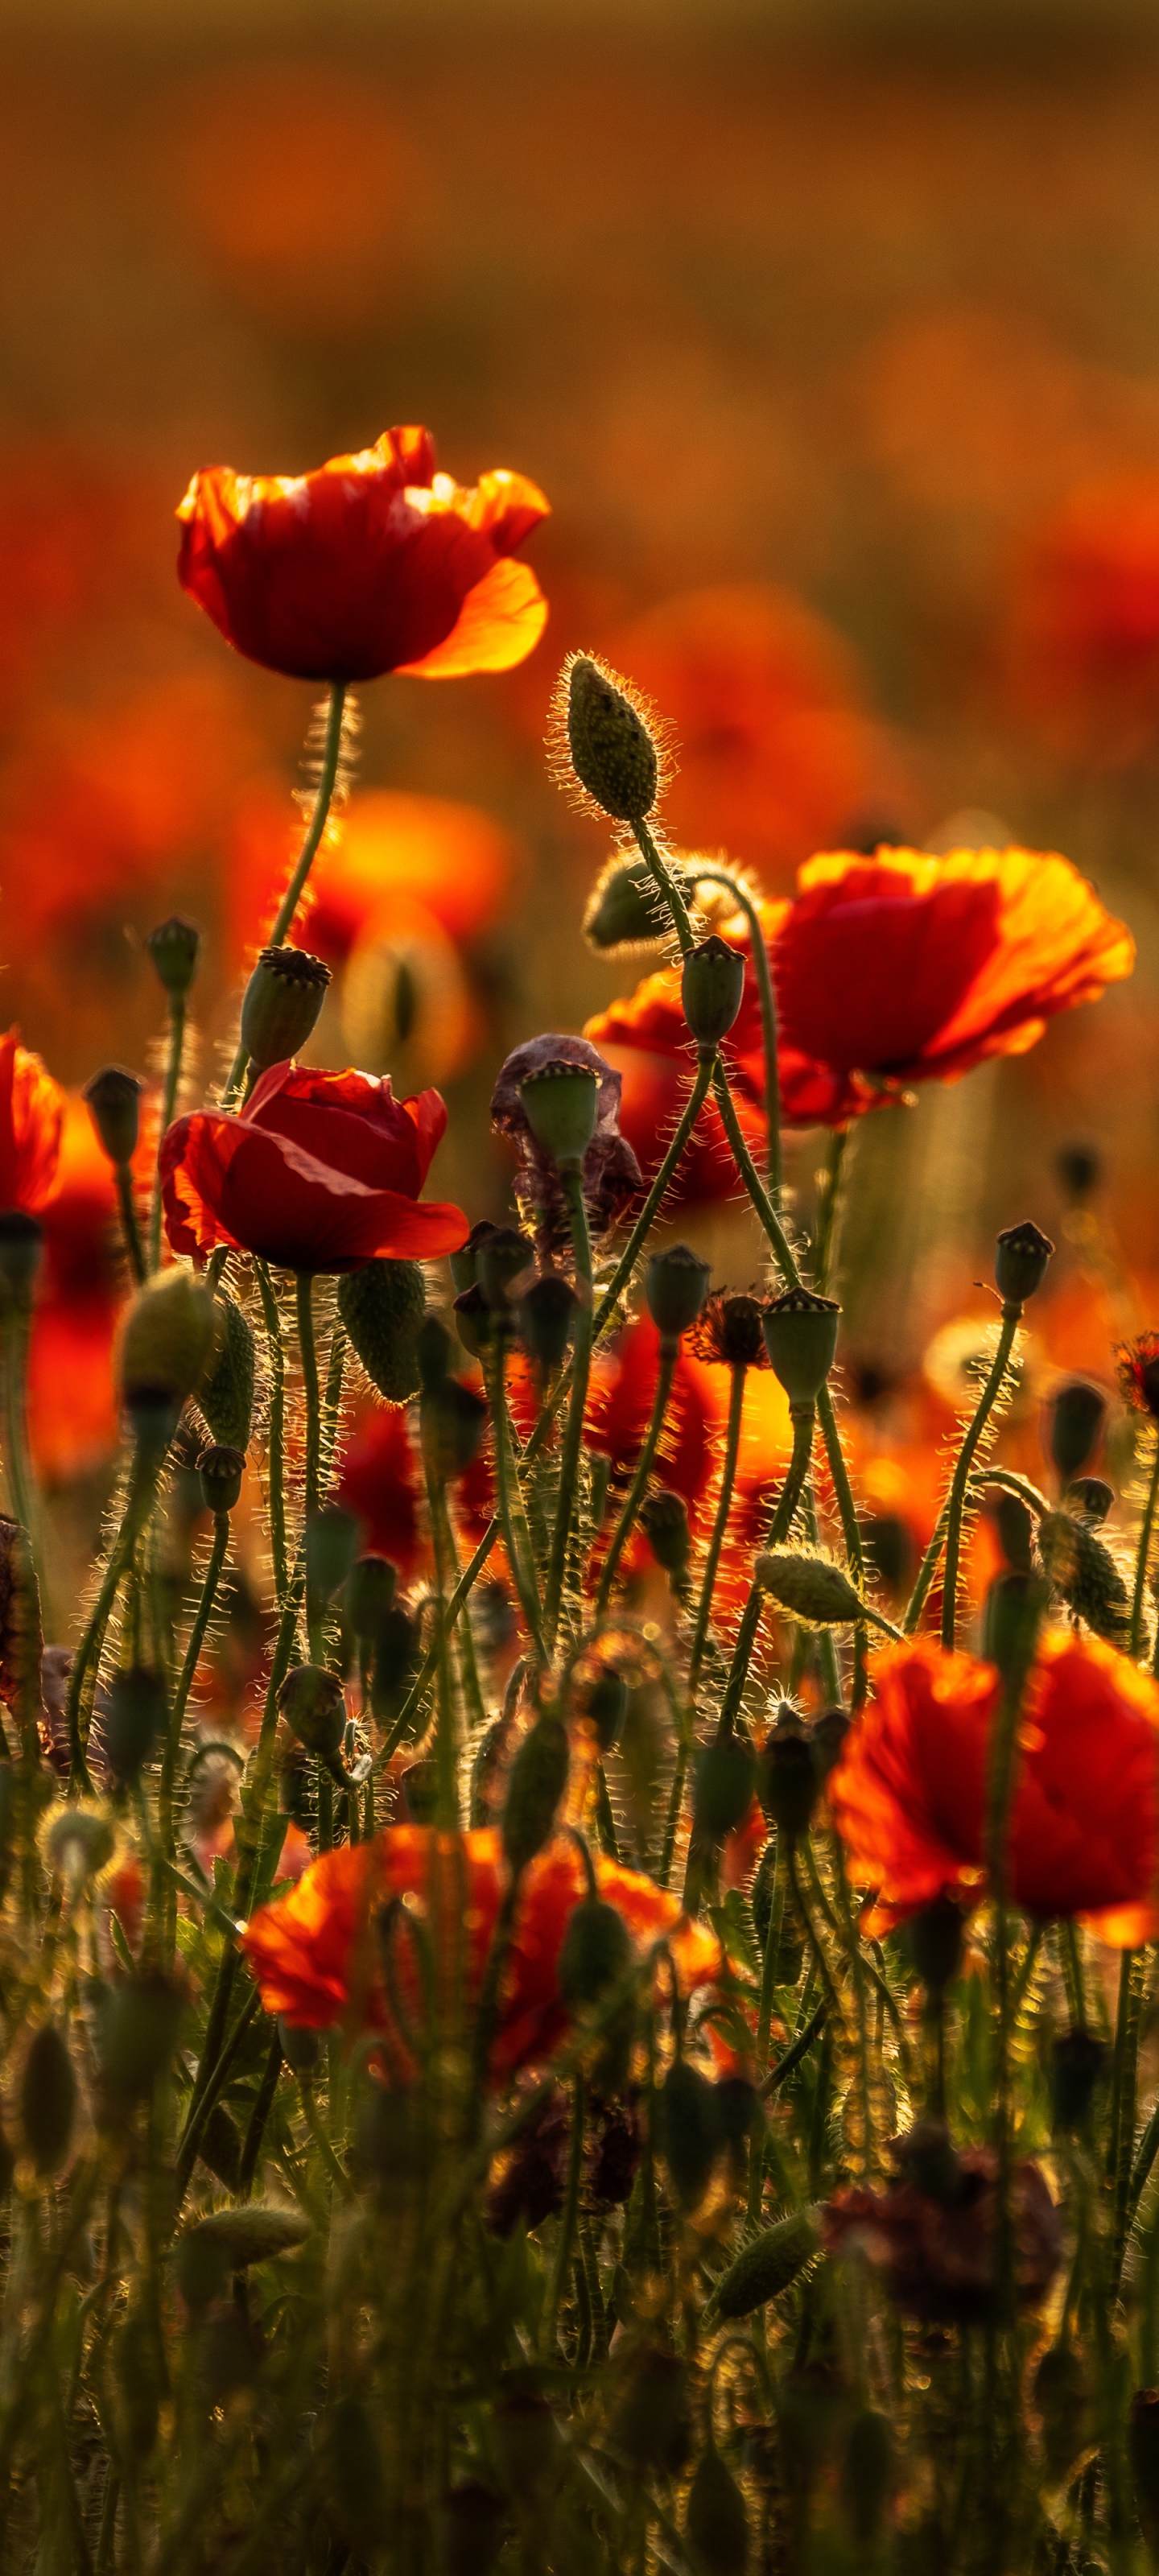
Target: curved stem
(327, 781)
(515, 1538)
(1011, 1318)
(201, 1618)
(276, 1360)
(766, 996)
(1143, 1555)
(766, 1212)
(130, 1222)
(746, 1637)
(168, 1105)
(720, 1524)
(669, 1353)
(573, 1434)
(681, 918)
(143, 1480)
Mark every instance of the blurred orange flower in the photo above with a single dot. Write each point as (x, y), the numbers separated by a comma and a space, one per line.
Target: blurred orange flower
(31, 1116)
(1083, 635)
(371, 563)
(386, 847)
(909, 1792)
(72, 1404)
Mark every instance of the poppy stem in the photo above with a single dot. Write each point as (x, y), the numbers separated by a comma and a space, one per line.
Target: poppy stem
(669, 1353)
(130, 1222)
(766, 996)
(720, 1523)
(1142, 1558)
(955, 1505)
(308, 1354)
(569, 1460)
(568, 2215)
(173, 1064)
(143, 1480)
(769, 1967)
(327, 782)
(201, 1618)
(276, 1453)
(516, 1538)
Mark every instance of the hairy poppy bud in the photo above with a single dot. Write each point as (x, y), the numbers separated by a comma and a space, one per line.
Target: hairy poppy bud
(1081, 1567)
(711, 989)
(169, 1335)
(281, 1004)
(595, 1953)
(1060, 2395)
(675, 1287)
(174, 948)
(547, 1318)
(1090, 1494)
(627, 909)
(691, 2136)
(649, 2424)
(664, 1521)
(255, 2233)
(505, 1257)
(331, 1546)
(809, 1587)
(1011, 1615)
(788, 1779)
(221, 1470)
(867, 2475)
(382, 1307)
(560, 1103)
(767, 2266)
(470, 2524)
(801, 1340)
(1015, 1532)
(1077, 2060)
(453, 1420)
(536, 1785)
(612, 752)
(1020, 1262)
(227, 1397)
(716, 2519)
(371, 1585)
(473, 1321)
(935, 1943)
(725, 1777)
(137, 2034)
(113, 1097)
(47, 2100)
(311, 1701)
(21, 1249)
(396, 1650)
(136, 1715)
(1077, 1414)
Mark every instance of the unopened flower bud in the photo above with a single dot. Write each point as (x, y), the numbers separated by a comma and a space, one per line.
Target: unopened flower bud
(1011, 1616)
(1090, 1494)
(474, 1321)
(314, 1707)
(21, 1251)
(1079, 1565)
(935, 1943)
(1077, 1414)
(47, 2100)
(136, 1715)
(664, 1521)
(169, 1334)
(627, 909)
(725, 1777)
(716, 2519)
(174, 948)
(281, 1004)
(800, 1332)
(612, 752)
(452, 1420)
(535, 1787)
(595, 1953)
(464, 1263)
(560, 1103)
(1077, 2060)
(809, 1587)
(137, 2034)
(114, 1105)
(382, 1307)
(332, 1536)
(547, 1318)
(1020, 1262)
(691, 2138)
(221, 1470)
(504, 1260)
(370, 1589)
(711, 989)
(675, 1287)
(788, 1779)
(227, 1397)
(396, 1648)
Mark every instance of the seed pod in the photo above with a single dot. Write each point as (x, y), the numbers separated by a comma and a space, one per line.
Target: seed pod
(469, 2529)
(47, 2100)
(547, 1317)
(788, 1779)
(536, 1785)
(1081, 1567)
(504, 1258)
(867, 2475)
(21, 1251)
(1020, 1262)
(255, 2233)
(370, 1589)
(691, 2136)
(136, 1714)
(612, 752)
(675, 1287)
(627, 909)
(382, 1306)
(768, 2266)
(138, 2028)
(716, 2520)
(725, 1778)
(113, 1099)
(595, 1953)
(221, 1471)
(810, 1587)
(281, 1004)
(312, 1702)
(174, 948)
(935, 1943)
(227, 1397)
(526, 2442)
(168, 1340)
(1077, 2060)
(1060, 2395)
(664, 1521)
(1090, 1494)
(561, 1102)
(1077, 1413)
(649, 2426)
(711, 989)
(801, 1340)
(332, 1536)
(357, 2485)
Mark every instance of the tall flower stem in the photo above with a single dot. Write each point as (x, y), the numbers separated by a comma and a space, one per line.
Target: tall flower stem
(573, 1434)
(1143, 1555)
(327, 781)
(276, 1362)
(1011, 1318)
(767, 999)
(516, 1538)
(309, 1358)
(643, 1225)
(130, 1221)
(669, 1353)
(190, 1661)
(719, 1526)
(173, 1063)
(144, 1476)
(565, 2244)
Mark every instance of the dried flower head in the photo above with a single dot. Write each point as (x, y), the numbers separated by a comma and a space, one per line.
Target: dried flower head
(1139, 1373)
(611, 1174)
(728, 1332)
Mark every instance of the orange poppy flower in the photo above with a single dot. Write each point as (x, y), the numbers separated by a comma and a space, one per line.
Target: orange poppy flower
(372, 563)
(315, 1957)
(31, 1116)
(909, 1793)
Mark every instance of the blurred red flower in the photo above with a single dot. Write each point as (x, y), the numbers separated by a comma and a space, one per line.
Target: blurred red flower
(1083, 633)
(909, 1793)
(31, 1117)
(315, 1953)
(73, 1416)
(319, 1171)
(371, 563)
(387, 846)
(380, 1482)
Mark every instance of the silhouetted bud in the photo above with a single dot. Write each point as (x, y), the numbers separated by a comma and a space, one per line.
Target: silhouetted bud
(595, 1953)
(113, 1097)
(464, 1263)
(311, 1701)
(169, 1335)
(201, 2270)
(21, 1250)
(690, 2134)
(504, 1259)
(281, 1004)
(612, 752)
(47, 2100)
(302, 2049)
(221, 1471)
(1020, 1262)
(136, 1715)
(1090, 1494)
(452, 1419)
(716, 2519)
(725, 1777)
(174, 947)
(675, 1287)
(474, 1321)
(935, 1943)
(1011, 1616)
(536, 1785)
(711, 989)
(560, 1103)
(547, 1318)
(767, 2266)
(788, 1779)
(627, 909)
(604, 1703)
(1077, 1413)
(370, 1589)
(382, 1307)
(664, 1521)
(1015, 1532)
(1060, 2395)
(829, 1733)
(396, 1654)
(253, 2233)
(227, 1397)
(738, 2109)
(800, 1332)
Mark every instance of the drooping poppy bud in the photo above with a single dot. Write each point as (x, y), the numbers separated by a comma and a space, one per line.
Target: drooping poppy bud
(800, 1333)
(1077, 1414)
(767, 2266)
(711, 989)
(113, 1097)
(612, 751)
(396, 1651)
(1092, 1495)
(136, 1714)
(1081, 1567)
(227, 1397)
(716, 2518)
(547, 1318)
(604, 1703)
(809, 1587)
(675, 1288)
(332, 1536)
(370, 1589)
(627, 909)
(169, 1335)
(534, 1790)
(311, 1701)
(664, 1521)
(382, 1306)
(174, 948)
(561, 1102)
(281, 1004)
(21, 1251)
(724, 1779)
(301, 2048)
(1020, 1262)
(47, 2100)
(78, 1841)
(221, 1470)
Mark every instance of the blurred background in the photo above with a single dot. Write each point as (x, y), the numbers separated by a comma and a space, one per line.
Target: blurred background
(831, 334)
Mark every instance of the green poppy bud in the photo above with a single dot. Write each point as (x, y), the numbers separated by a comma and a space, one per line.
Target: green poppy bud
(474, 1322)
(1020, 1262)
(227, 1397)
(664, 1521)
(169, 1336)
(1077, 1414)
(332, 1536)
(716, 2519)
(725, 1778)
(47, 2100)
(535, 1787)
(21, 1250)
(650, 2425)
(174, 948)
(691, 2136)
(312, 1702)
(627, 909)
(612, 752)
(810, 1588)
(547, 1316)
(137, 2034)
(675, 1288)
(1077, 2060)
(867, 2473)
(1091, 1495)
(801, 1340)
(788, 1778)
(711, 989)
(255, 2233)
(464, 1263)
(560, 1103)
(370, 1589)
(396, 1654)
(382, 1306)
(767, 2266)
(113, 1097)
(452, 1419)
(136, 1715)
(281, 1004)
(595, 1953)
(935, 1943)
(221, 1470)
(505, 1258)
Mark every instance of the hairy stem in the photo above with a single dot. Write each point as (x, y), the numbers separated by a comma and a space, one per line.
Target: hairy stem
(327, 781)
(1011, 1318)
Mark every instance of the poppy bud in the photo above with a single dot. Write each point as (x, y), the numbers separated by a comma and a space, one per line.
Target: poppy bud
(382, 1306)
(254, 2233)
(1077, 2060)
(716, 2519)
(114, 1105)
(281, 1003)
(711, 989)
(332, 1537)
(734, 1322)
(311, 1701)
(788, 1781)
(1060, 2395)
(174, 947)
(473, 1321)
(227, 1397)
(137, 2034)
(650, 2425)
(47, 2100)
(21, 1248)
(1091, 1495)
(801, 1340)
(526, 2439)
(664, 1521)
(137, 1713)
(464, 1263)
(503, 1258)
(1081, 1567)
(767, 2266)
(627, 909)
(808, 1587)
(867, 2475)
(78, 1842)
(690, 2133)
(396, 1647)
(605, 1705)
(595, 1953)
(453, 1420)
(612, 752)
(1015, 1532)
(221, 1470)
(547, 1318)
(1080, 1169)
(1020, 1262)
(725, 1776)
(536, 1784)
(1143, 2449)
(560, 1103)
(1077, 1414)
(935, 1943)
(675, 1287)
(370, 1589)
(469, 2529)
(829, 1733)
(168, 1337)
(301, 2048)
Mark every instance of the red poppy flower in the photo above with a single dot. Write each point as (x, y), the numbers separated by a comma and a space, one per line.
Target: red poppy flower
(936, 2251)
(1083, 632)
(381, 1483)
(314, 1953)
(372, 563)
(31, 1116)
(651, 1023)
(73, 1411)
(909, 1793)
(320, 1171)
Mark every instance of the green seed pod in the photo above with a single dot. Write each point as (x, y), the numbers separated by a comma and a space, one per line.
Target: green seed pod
(21, 1251)
(138, 2028)
(255, 2233)
(301, 2048)
(768, 2266)
(168, 1340)
(113, 1099)
(356, 2481)
(464, 1264)
(382, 1306)
(1020, 1262)
(525, 2437)
(716, 2520)
(221, 1471)
(711, 989)
(396, 1654)
(1077, 2060)
(332, 1536)
(691, 2136)
(281, 1003)
(227, 1397)
(675, 1287)
(934, 1939)
(1143, 2450)
(810, 1587)
(1076, 1417)
(1060, 2395)
(612, 752)
(560, 1103)
(370, 1589)
(452, 1420)
(595, 1953)
(664, 1521)
(547, 1316)
(725, 1778)
(47, 2100)
(136, 1715)
(788, 1778)
(650, 2425)
(626, 908)
(505, 1259)
(801, 1340)
(867, 2473)
(537, 1782)
(1081, 1567)
(474, 1321)
(313, 1704)
(174, 948)
(469, 2530)
(1091, 1495)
